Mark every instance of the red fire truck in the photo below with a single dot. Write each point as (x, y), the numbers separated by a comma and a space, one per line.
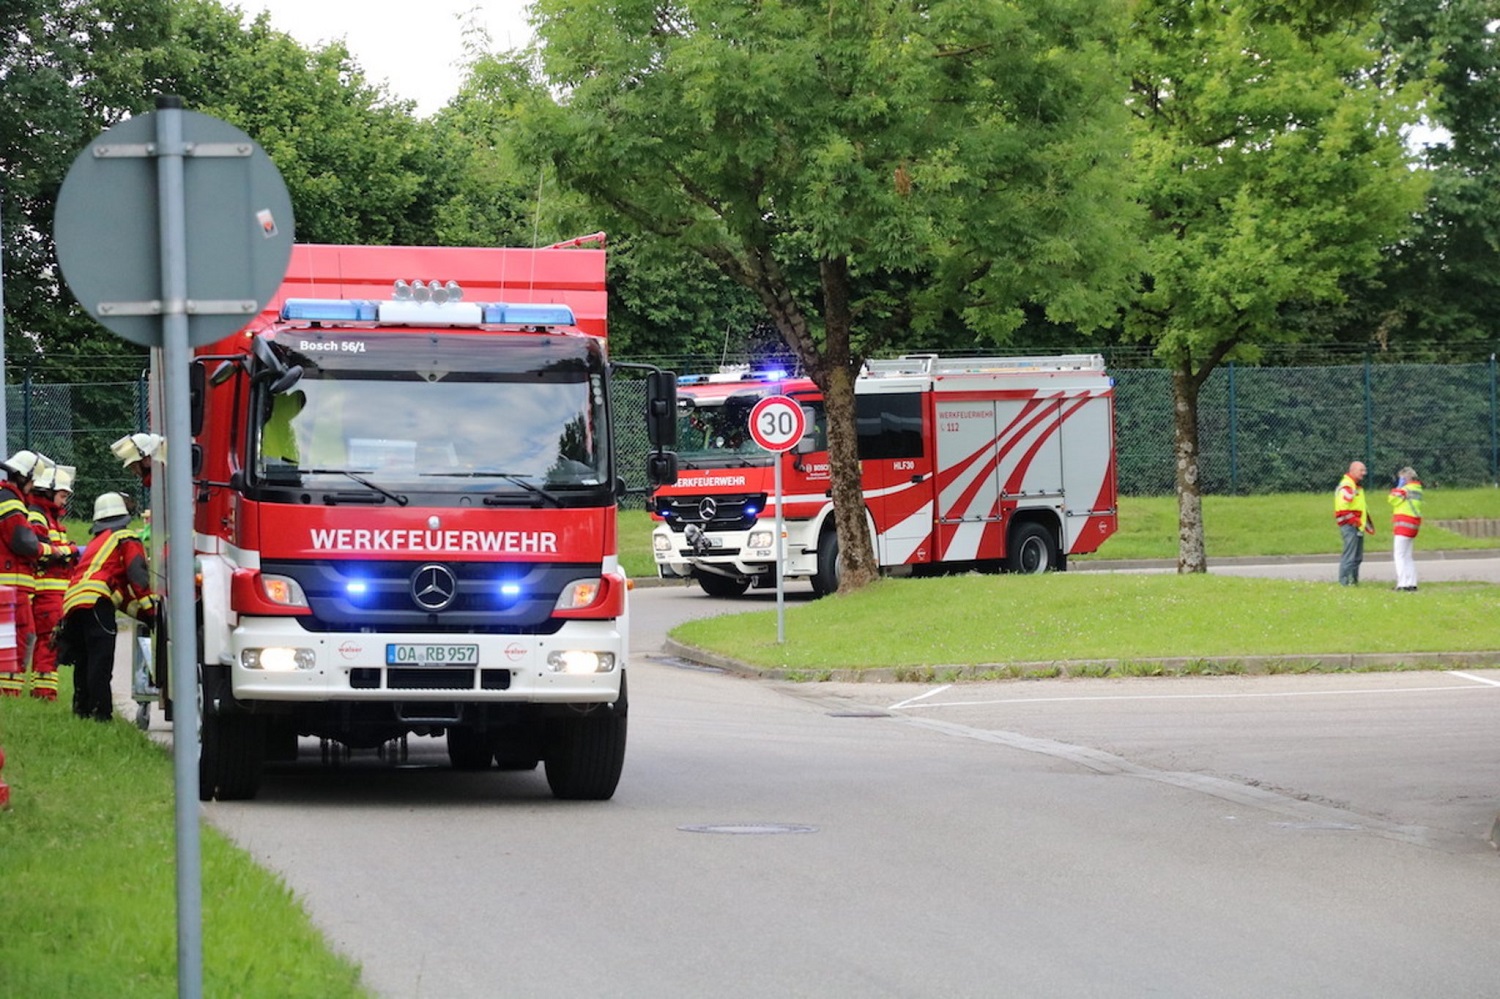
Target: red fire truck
(968, 462)
(405, 516)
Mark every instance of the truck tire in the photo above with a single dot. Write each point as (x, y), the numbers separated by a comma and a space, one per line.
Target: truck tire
(1032, 550)
(826, 579)
(231, 756)
(468, 749)
(716, 585)
(585, 751)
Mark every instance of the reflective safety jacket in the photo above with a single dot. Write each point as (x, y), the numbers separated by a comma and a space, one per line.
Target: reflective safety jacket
(53, 572)
(20, 547)
(112, 567)
(1406, 509)
(1349, 506)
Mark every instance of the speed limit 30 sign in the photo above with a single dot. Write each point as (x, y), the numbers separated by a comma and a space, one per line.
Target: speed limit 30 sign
(777, 423)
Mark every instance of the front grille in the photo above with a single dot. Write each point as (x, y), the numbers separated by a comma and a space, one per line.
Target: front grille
(427, 678)
(735, 512)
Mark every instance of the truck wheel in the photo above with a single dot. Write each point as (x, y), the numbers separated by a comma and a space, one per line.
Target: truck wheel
(716, 585)
(231, 757)
(826, 579)
(1032, 550)
(586, 751)
(468, 750)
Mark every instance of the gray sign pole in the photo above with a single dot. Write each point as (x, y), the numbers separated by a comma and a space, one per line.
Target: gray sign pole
(182, 669)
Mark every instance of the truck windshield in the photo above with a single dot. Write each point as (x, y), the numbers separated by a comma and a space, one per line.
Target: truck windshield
(717, 430)
(457, 412)
(714, 430)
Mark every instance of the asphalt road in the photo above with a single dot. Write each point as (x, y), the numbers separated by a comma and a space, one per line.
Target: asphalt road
(1231, 836)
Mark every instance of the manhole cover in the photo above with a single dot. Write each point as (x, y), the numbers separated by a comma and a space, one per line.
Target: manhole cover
(750, 828)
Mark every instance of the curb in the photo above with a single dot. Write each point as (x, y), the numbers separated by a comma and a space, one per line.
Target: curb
(1365, 662)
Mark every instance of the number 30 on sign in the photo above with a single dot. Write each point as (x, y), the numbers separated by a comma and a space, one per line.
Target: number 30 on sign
(777, 423)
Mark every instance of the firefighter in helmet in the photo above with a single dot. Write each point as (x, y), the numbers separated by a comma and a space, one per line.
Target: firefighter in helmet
(20, 549)
(140, 453)
(50, 490)
(111, 575)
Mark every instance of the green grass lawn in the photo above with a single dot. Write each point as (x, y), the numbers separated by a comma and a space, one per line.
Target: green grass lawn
(87, 862)
(920, 625)
(1290, 524)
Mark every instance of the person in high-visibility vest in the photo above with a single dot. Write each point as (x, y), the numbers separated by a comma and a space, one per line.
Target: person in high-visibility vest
(1354, 522)
(111, 576)
(20, 547)
(50, 489)
(1406, 521)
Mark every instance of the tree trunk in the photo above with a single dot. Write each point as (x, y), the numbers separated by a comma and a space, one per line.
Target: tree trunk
(857, 566)
(1190, 551)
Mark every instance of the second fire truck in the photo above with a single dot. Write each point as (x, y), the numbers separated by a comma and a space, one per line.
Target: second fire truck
(968, 463)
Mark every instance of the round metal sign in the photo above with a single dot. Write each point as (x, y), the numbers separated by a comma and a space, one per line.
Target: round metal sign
(777, 423)
(238, 220)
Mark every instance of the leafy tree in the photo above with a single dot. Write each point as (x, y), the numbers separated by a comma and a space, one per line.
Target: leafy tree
(663, 299)
(1442, 285)
(1272, 170)
(358, 164)
(863, 169)
(68, 69)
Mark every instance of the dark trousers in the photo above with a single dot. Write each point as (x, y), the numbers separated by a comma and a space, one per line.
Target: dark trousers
(89, 643)
(1352, 555)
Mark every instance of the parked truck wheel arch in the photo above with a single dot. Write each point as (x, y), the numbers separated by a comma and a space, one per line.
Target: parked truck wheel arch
(1032, 548)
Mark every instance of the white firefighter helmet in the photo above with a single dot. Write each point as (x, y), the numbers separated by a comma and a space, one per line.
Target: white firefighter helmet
(44, 476)
(63, 477)
(21, 463)
(43, 469)
(133, 447)
(110, 506)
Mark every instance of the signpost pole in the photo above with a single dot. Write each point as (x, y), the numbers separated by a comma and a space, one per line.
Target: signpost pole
(777, 424)
(780, 557)
(177, 534)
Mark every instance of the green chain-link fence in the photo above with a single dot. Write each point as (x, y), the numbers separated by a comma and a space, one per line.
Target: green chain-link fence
(1261, 429)
(1273, 430)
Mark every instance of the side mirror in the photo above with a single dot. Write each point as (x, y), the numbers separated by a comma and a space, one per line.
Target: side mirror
(661, 467)
(197, 387)
(291, 376)
(661, 410)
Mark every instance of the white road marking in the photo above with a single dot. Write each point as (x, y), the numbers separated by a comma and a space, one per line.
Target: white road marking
(1476, 679)
(921, 697)
(1193, 697)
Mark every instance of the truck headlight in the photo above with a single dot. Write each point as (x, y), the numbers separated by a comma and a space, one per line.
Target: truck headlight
(759, 539)
(661, 543)
(580, 661)
(278, 659)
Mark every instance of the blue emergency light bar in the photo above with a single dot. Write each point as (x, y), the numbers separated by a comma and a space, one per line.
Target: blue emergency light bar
(416, 313)
(331, 310)
(528, 315)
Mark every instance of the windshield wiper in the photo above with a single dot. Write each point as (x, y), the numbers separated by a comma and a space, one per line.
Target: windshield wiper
(516, 477)
(396, 498)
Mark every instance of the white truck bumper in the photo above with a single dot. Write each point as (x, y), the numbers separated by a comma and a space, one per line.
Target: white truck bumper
(355, 667)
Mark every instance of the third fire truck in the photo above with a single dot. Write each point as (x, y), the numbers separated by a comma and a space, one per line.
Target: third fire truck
(968, 463)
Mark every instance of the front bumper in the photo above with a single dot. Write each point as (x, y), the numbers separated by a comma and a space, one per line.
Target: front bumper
(352, 667)
(730, 553)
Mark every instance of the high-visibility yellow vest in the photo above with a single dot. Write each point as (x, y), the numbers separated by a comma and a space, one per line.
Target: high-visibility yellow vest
(1406, 509)
(1349, 505)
